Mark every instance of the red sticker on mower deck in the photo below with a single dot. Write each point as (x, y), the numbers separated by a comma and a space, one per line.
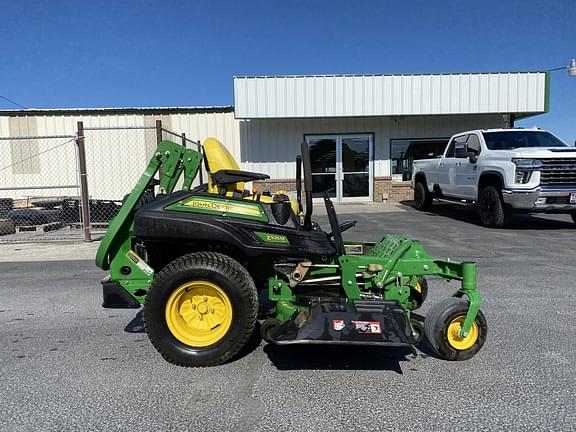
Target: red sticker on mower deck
(338, 325)
(368, 327)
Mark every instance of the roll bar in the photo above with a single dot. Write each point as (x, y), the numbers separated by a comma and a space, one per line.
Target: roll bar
(307, 167)
(299, 182)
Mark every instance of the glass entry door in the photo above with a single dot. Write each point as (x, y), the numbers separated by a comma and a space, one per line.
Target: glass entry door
(341, 166)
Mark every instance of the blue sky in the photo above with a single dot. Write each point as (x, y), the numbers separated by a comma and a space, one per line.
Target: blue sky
(164, 53)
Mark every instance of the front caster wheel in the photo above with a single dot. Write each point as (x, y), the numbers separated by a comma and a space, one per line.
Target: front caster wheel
(201, 309)
(419, 292)
(442, 327)
(417, 331)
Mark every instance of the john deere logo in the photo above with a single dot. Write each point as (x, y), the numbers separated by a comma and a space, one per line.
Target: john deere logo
(205, 204)
(224, 207)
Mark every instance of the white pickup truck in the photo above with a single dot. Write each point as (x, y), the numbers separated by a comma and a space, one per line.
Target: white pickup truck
(502, 171)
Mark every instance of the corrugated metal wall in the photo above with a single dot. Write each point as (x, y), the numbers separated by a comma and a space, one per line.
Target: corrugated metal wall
(115, 158)
(384, 95)
(270, 146)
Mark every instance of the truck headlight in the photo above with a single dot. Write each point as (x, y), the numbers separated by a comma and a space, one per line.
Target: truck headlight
(524, 169)
(527, 163)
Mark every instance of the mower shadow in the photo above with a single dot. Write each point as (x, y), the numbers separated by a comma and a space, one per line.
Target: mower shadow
(326, 357)
(136, 325)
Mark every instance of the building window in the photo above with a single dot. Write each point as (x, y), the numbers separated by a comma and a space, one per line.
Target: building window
(405, 151)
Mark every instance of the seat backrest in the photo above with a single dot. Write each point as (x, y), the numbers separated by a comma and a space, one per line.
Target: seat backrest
(219, 158)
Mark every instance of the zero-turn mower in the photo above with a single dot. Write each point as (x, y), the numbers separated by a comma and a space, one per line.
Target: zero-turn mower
(208, 262)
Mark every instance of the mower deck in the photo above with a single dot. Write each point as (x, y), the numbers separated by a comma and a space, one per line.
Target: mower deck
(366, 322)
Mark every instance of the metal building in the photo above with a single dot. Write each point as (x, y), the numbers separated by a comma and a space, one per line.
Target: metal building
(364, 131)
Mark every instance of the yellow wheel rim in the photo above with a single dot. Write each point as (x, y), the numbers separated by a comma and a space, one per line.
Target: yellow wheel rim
(418, 287)
(454, 338)
(198, 313)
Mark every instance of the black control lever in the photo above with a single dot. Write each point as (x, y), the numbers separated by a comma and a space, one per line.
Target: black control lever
(344, 226)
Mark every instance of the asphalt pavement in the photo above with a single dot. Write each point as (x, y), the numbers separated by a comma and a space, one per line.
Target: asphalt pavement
(66, 364)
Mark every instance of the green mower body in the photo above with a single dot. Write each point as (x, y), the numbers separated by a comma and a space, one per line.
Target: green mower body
(207, 265)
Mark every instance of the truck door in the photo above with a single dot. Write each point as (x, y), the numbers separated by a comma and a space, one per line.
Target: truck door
(447, 168)
(466, 171)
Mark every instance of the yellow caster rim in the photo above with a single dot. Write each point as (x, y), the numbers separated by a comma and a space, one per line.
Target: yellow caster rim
(198, 313)
(418, 287)
(454, 338)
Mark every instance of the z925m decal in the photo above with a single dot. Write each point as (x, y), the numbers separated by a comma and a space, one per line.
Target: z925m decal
(272, 238)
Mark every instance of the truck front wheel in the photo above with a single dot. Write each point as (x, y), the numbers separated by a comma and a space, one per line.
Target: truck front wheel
(491, 208)
(422, 198)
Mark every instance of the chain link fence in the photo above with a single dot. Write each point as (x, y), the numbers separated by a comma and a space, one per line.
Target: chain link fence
(39, 188)
(69, 187)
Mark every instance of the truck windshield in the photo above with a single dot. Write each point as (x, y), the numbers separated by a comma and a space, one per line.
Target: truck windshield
(521, 138)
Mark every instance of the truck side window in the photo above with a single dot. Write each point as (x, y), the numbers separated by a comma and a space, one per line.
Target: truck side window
(460, 146)
(450, 151)
(474, 144)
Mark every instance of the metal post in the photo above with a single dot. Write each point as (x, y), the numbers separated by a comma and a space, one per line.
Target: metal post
(158, 141)
(85, 197)
(158, 131)
(183, 139)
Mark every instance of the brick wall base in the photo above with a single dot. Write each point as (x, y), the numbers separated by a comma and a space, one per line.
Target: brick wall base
(391, 191)
(384, 188)
(276, 185)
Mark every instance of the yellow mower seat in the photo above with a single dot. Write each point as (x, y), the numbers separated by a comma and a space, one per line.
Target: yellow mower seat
(219, 159)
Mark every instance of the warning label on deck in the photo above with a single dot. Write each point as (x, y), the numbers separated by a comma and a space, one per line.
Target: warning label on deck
(368, 327)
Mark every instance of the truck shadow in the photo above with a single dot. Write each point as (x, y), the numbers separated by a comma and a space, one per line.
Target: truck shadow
(519, 221)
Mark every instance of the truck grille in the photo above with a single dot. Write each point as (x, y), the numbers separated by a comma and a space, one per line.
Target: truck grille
(558, 171)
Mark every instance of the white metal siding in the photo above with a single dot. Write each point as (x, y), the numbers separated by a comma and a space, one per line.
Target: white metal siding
(271, 145)
(384, 95)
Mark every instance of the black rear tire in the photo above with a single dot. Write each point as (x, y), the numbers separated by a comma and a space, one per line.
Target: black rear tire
(422, 197)
(574, 217)
(233, 282)
(437, 324)
(491, 208)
